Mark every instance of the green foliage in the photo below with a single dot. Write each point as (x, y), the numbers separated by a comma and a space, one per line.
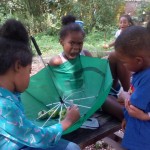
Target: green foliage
(142, 12)
(49, 45)
(45, 15)
(43, 20)
(144, 7)
(97, 14)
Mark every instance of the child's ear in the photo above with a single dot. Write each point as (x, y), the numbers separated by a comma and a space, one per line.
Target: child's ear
(61, 42)
(17, 66)
(139, 60)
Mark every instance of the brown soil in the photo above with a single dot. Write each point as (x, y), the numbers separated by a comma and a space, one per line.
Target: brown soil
(37, 64)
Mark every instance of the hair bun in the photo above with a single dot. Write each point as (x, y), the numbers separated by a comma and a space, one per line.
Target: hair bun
(14, 30)
(68, 19)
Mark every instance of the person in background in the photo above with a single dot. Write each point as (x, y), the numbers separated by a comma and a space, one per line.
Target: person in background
(121, 81)
(16, 131)
(121, 75)
(124, 22)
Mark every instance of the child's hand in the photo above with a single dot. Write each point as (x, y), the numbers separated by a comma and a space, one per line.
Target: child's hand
(106, 46)
(73, 113)
(137, 113)
(124, 95)
(123, 125)
(71, 117)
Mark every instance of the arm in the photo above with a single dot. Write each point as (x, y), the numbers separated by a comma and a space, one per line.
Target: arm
(132, 110)
(87, 53)
(109, 45)
(55, 61)
(119, 72)
(71, 117)
(123, 75)
(18, 128)
(112, 107)
(136, 113)
(113, 42)
(124, 122)
(139, 104)
(123, 125)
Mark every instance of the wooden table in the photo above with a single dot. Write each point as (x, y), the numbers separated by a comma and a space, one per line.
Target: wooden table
(85, 137)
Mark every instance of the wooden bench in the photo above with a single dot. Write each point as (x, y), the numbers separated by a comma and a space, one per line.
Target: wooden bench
(85, 137)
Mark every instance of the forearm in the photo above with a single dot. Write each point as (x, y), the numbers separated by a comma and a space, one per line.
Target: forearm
(145, 116)
(66, 123)
(123, 75)
(21, 130)
(111, 44)
(137, 113)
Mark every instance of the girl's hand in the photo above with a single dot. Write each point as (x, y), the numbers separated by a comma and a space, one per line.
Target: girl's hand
(137, 113)
(105, 46)
(71, 117)
(123, 125)
(73, 113)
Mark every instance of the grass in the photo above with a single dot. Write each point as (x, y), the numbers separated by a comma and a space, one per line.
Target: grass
(49, 45)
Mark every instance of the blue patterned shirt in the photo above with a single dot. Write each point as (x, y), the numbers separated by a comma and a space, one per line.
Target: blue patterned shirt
(16, 131)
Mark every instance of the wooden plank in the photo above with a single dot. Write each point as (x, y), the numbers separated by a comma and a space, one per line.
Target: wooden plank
(85, 137)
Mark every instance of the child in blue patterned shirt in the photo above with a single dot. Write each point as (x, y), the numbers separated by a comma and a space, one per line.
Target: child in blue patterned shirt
(16, 131)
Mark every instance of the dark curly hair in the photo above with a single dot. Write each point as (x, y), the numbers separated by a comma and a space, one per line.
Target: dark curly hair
(69, 25)
(133, 40)
(14, 45)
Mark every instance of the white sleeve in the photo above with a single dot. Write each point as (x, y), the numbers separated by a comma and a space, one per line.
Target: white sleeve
(117, 33)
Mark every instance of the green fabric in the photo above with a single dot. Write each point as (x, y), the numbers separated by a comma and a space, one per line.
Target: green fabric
(85, 80)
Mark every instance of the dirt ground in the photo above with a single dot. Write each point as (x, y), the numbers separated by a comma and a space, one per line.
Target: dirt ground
(37, 64)
(99, 145)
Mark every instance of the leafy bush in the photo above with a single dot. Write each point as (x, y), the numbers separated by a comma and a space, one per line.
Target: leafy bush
(49, 45)
(45, 15)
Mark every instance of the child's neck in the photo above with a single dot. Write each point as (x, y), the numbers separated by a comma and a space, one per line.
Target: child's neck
(6, 83)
